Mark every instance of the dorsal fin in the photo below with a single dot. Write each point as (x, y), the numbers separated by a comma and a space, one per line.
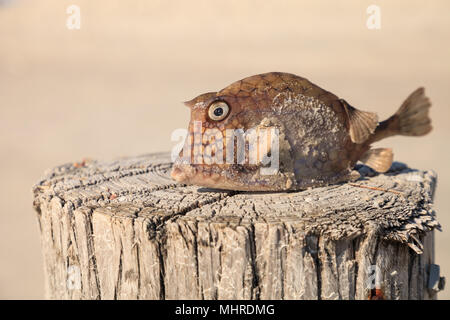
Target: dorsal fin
(362, 123)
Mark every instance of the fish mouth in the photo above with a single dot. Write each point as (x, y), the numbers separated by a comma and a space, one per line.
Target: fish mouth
(182, 173)
(215, 177)
(195, 174)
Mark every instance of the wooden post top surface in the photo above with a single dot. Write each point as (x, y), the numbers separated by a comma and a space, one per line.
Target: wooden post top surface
(397, 205)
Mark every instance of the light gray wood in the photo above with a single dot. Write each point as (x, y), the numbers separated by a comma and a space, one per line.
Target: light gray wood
(124, 230)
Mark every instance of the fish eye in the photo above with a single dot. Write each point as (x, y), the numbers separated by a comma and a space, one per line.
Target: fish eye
(218, 110)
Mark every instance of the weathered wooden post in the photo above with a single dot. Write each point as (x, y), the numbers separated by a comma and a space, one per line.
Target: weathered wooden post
(124, 230)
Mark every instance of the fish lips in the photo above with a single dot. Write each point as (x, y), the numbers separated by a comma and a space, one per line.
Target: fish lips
(194, 174)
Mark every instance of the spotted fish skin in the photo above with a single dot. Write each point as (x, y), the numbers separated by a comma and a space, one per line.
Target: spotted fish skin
(321, 137)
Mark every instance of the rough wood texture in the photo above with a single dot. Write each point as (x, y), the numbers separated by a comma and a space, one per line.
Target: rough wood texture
(124, 230)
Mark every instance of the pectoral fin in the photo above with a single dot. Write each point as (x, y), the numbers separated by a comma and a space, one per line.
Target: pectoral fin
(362, 123)
(379, 159)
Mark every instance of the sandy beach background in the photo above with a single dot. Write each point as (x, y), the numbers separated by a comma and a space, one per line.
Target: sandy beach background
(114, 87)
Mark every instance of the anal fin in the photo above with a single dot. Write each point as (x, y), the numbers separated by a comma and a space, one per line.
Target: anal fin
(379, 159)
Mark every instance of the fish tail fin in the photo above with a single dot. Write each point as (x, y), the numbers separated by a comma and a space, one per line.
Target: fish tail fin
(379, 159)
(411, 119)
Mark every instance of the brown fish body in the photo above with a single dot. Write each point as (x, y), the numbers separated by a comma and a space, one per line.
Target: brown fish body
(318, 136)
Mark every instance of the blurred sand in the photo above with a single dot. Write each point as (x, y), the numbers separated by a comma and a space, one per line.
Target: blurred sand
(114, 87)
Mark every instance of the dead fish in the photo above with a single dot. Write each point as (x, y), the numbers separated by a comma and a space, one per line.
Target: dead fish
(317, 141)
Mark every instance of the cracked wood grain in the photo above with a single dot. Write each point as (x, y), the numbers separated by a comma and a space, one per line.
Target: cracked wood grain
(123, 229)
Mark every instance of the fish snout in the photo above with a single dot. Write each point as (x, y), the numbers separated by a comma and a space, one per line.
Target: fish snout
(182, 173)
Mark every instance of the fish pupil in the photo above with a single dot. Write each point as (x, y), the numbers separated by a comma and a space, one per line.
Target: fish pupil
(218, 112)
